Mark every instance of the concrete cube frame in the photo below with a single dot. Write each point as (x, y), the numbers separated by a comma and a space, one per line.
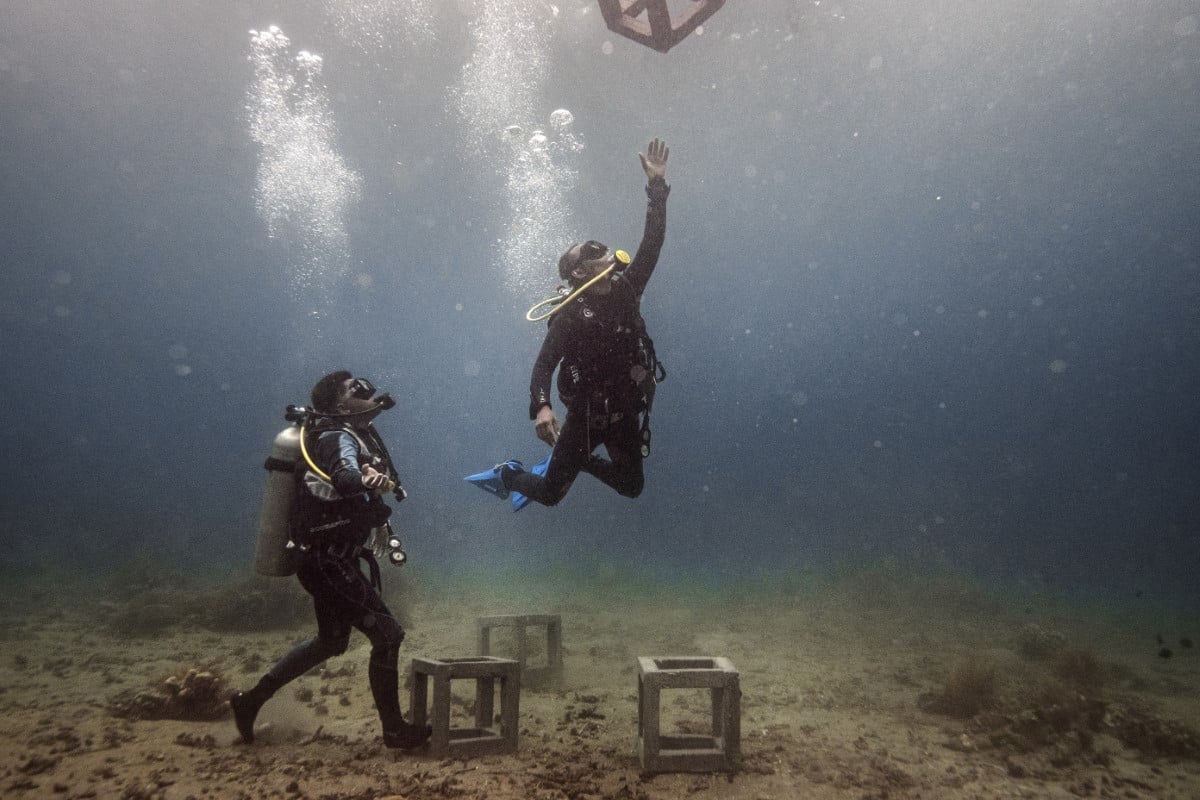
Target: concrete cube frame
(486, 738)
(530, 676)
(658, 752)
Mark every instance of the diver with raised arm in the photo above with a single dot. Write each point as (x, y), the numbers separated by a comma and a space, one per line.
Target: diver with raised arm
(607, 368)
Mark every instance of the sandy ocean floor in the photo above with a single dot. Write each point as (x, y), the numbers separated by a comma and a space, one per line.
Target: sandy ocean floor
(867, 685)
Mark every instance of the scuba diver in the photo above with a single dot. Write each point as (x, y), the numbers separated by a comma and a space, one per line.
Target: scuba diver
(608, 367)
(336, 505)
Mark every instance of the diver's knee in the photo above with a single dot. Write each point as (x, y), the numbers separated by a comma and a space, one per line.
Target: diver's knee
(384, 629)
(385, 645)
(551, 494)
(393, 633)
(632, 488)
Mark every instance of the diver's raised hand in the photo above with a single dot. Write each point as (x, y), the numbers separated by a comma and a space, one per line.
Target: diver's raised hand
(654, 160)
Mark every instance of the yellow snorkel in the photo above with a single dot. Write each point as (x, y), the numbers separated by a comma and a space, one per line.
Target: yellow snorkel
(556, 303)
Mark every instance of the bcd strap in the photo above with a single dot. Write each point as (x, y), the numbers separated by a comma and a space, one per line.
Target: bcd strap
(373, 568)
(658, 374)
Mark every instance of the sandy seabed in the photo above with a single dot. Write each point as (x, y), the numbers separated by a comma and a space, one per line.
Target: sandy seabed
(865, 685)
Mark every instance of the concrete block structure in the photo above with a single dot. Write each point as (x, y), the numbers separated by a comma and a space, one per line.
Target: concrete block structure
(649, 22)
(660, 752)
(486, 737)
(533, 675)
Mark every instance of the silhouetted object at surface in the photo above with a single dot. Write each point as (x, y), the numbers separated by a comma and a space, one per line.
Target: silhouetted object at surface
(657, 30)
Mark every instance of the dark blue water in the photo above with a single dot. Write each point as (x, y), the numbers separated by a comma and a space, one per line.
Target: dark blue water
(929, 293)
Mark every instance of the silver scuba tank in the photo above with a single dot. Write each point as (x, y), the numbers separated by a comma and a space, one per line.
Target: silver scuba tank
(274, 552)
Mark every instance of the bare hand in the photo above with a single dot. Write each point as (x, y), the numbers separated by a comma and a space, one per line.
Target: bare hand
(374, 479)
(654, 161)
(546, 425)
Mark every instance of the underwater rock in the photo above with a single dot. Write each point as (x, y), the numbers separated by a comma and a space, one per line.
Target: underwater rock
(193, 694)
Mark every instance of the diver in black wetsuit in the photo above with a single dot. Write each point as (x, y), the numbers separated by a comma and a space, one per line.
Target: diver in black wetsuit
(332, 517)
(608, 368)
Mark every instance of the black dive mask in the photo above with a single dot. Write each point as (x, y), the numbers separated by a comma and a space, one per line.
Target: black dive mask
(591, 250)
(363, 389)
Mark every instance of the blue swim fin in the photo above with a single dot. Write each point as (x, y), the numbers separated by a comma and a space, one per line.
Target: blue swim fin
(489, 480)
(519, 500)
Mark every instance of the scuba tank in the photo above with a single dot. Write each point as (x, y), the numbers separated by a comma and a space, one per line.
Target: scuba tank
(273, 554)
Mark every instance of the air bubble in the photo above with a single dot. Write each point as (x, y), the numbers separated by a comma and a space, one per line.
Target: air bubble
(561, 119)
(382, 25)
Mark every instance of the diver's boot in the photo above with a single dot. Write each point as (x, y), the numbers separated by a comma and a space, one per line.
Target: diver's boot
(245, 707)
(246, 704)
(508, 471)
(407, 736)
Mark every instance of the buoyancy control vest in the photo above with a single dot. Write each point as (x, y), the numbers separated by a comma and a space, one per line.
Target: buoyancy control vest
(301, 508)
(582, 377)
(323, 517)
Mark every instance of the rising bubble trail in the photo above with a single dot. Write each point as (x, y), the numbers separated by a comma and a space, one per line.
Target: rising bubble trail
(305, 191)
(498, 98)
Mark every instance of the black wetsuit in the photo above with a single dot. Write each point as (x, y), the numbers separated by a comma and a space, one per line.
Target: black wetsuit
(600, 341)
(331, 536)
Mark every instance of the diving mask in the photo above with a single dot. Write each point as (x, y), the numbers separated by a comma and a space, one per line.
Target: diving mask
(363, 389)
(592, 250)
